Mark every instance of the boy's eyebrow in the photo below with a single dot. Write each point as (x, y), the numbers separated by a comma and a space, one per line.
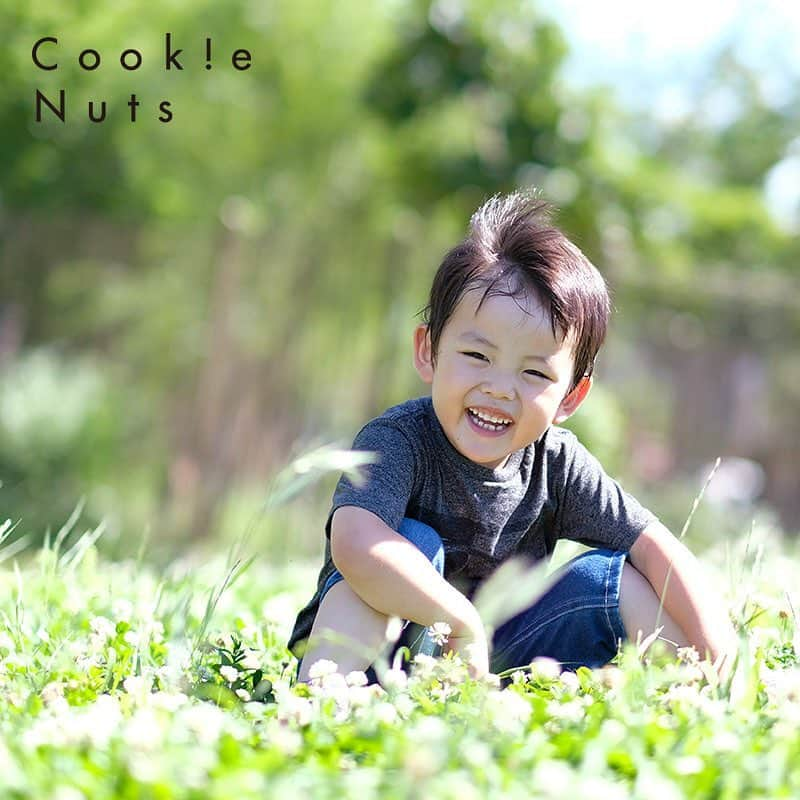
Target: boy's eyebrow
(474, 336)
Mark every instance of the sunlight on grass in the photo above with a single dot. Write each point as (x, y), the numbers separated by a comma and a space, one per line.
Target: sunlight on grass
(118, 680)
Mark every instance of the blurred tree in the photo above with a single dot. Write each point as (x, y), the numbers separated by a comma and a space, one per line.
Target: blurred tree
(245, 277)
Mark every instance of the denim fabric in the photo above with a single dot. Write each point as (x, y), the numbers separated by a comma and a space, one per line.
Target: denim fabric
(576, 622)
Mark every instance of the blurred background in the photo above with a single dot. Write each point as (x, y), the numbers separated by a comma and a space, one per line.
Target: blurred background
(186, 307)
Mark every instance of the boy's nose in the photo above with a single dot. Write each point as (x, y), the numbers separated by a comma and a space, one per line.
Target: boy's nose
(499, 386)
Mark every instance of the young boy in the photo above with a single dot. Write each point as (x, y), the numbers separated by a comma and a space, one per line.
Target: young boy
(478, 473)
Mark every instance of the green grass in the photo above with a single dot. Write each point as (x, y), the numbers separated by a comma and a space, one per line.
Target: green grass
(120, 681)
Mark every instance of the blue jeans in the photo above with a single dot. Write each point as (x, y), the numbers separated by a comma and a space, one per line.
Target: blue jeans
(576, 621)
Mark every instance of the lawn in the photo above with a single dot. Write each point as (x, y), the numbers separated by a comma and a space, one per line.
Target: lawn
(118, 680)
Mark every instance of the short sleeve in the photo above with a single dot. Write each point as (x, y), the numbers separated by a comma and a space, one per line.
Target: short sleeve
(389, 481)
(593, 508)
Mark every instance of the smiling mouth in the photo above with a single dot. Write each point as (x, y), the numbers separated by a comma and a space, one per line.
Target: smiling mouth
(488, 422)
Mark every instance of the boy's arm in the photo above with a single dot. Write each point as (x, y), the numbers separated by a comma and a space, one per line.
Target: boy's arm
(393, 576)
(689, 599)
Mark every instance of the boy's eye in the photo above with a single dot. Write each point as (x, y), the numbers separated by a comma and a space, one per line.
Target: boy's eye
(473, 354)
(535, 373)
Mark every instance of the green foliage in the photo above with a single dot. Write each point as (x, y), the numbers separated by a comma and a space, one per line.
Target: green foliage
(600, 425)
(246, 277)
(101, 698)
(61, 423)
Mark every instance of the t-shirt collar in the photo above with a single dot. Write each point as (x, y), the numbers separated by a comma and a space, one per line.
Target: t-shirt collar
(477, 471)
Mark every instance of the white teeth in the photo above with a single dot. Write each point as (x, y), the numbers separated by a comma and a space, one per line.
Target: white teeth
(489, 422)
(489, 418)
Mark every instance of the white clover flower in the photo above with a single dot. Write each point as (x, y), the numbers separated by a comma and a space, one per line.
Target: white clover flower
(230, 674)
(545, 669)
(422, 763)
(728, 742)
(334, 682)
(322, 667)
(205, 721)
(782, 686)
(570, 681)
(492, 680)
(688, 765)
(395, 679)
(299, 710)
(507, 710)
(100, 720)
(103, 628)
(518, 677)
(255, 709)
(598, 786)
(335, 687)
(251, 660)
(440, 633)
(555, 775)
(430, 730)
(612, 731)
(689, 673)
(404, 705)
(38, 734)
(571, 711)
(443, 691)
(424, 665)
(132, 638)
(386, 713)
(429, 736)
(193, 773)
(243, 695)
(356, 678)
(282, 689)
(143, 767)
(694, 698)
(476, 753)
(143, 729)
(52, 692)
(287, 740)
(361, 696)
(137, 686)
(168, 701)
(688, 655)
(68, 793)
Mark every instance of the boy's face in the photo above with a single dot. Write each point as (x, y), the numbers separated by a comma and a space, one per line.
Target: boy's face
(503, 363)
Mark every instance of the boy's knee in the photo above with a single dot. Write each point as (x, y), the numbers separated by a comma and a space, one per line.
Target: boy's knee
(425, 539)
(591, 570)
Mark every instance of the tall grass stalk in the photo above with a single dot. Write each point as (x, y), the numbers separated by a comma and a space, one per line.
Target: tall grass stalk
(287, 484)
(682, 534)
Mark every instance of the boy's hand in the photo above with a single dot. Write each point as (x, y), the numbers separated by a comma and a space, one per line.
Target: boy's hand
(470, 643)
(475, 655)
(681, 584)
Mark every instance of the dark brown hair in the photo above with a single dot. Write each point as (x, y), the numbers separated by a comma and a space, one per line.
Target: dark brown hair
(513, 249)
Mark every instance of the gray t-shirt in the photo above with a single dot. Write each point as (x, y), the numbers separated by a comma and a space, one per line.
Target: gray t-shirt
(550, 490)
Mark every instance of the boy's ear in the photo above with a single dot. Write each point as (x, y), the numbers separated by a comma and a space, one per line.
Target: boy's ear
(572, 402)
(422, 353)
